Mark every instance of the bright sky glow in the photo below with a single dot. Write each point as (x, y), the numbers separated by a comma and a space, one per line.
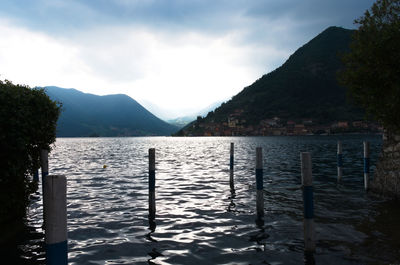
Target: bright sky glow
(175, 57)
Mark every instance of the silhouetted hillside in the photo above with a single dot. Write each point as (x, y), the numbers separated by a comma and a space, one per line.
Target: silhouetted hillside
(304, 87)
(112, 115)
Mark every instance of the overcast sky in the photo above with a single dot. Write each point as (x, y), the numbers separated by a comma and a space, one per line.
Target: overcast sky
(178, 55)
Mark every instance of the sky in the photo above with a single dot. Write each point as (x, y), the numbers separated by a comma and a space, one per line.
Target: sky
(174, 57)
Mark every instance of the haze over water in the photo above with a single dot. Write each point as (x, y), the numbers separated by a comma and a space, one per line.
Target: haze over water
(200, 220)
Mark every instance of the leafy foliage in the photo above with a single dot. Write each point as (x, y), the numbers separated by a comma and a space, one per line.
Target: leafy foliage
(28, 121)
(372, 70)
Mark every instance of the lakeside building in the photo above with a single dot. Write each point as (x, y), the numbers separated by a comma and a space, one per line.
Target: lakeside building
(237, 126)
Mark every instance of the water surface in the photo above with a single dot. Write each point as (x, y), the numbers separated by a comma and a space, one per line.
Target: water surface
(200, 219)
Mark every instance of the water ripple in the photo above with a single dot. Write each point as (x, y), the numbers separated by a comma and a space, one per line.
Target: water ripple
(200, 219)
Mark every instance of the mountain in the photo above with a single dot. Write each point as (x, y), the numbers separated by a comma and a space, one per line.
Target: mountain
(181, 122)
(305, 87)
(112, 115)
(185, 120)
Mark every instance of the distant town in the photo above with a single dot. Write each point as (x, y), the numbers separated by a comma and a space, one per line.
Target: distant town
(235, 125)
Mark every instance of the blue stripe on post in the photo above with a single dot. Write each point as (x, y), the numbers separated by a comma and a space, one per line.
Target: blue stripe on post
(152, 180)
(231, 162)
(44, 174)
(57, 253)
(366, 164)
(36, 176)
(340, 160)
(259, 178)
(308, 198)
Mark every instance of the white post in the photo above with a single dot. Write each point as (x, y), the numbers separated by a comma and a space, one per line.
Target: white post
(259, 183)
(36, 175)
(44, 164)
(152, 183)
(231, 156)
(55, 209)
(306, 180)
(366, 165)
(339, 161)
(44, 161)
(231, 166)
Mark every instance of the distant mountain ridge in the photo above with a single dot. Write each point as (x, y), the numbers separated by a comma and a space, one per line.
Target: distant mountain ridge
(185, 120)
(304, 87)
(111, 115)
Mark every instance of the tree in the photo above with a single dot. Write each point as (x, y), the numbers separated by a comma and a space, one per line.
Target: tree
(28, 120)
(372, 69)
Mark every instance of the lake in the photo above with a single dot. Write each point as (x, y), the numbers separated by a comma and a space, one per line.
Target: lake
(200, 219)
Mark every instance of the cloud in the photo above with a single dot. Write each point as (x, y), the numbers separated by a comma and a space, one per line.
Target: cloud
(178, 54)
(211, 16)
(35, 58)
(181, 71)
(173, 69)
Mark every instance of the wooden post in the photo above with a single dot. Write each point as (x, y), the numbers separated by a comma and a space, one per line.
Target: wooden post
(366, 165)
(339, 161)
(306, 180)
(55, 219)
(231, 157)
(231, 182)
(36, 176)
(44, 161)
(44, 164)
(259, 183)
(152, 183)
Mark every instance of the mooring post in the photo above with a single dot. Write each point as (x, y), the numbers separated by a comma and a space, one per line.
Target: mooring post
(36, 175)
(366, 165)
(308, 223)
(44, 163)
(339, 161)
(152, 183)
(231, 166)
(55, 219)
(231, 157)
(259, 183)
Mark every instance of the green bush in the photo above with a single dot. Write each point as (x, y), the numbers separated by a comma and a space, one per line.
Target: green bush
(372, 70)
(28, 120)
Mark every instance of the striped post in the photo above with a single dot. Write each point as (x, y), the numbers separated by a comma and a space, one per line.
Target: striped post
(306, 180)
(366, 165)
(152, 183)
(231, 157)
(339, 161)
(259, 183)
(231, 166)
(44, 163)
(55, 209)
(36, 176)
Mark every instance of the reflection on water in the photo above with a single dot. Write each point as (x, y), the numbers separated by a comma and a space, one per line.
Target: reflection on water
(202, 218)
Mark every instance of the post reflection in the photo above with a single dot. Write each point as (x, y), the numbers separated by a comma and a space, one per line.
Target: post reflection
(152, 228)
(260, 223)
(260, 236)
(309, 258)
(231, 182)
(232, 205)
(154, 254)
